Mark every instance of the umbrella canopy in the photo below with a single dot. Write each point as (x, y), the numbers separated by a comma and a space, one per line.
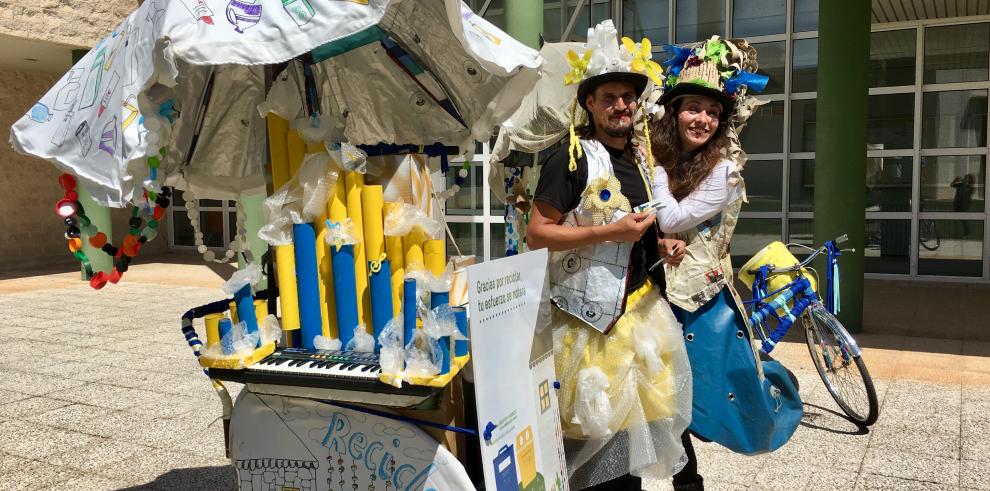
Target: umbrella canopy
(188, 77)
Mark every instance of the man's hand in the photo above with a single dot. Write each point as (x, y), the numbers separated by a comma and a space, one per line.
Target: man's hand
(631, 227)
(672, 250)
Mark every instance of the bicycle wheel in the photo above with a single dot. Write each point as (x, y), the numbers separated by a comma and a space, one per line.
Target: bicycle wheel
(844, 373)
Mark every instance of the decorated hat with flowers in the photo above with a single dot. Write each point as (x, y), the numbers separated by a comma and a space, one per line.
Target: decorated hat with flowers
(604, 60)
(718, 68)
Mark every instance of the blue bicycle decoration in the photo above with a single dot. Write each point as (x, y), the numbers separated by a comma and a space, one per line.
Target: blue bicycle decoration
(784, 291)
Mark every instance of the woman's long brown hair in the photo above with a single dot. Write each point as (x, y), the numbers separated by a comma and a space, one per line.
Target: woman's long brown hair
(684, 177)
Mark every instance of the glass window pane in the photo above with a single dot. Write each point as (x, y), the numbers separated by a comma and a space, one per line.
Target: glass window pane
(177, 200)
(888, 184)
(751, 235)
(764, 132)
(801, 231)
(646, 18)
(231, 226)
(469, 239)
(210, 203)
(601, 11)
(580, 30)
(892, 58)
(498, 246)
(211, 223)
(803, 125)
(772, 57)
(700, 19)
(801, 188)
(888, 247)
(764, 180)
(552, 24)
(890, 120)
(950, 247)
(467, 201)
(954, 183)
(954, 119)
(182, 231)
(805, 15)
(957, 53)
(804, 77)
(758, 17)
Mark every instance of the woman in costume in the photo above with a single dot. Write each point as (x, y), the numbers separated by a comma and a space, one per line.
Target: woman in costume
(742, 403)
(624, 377)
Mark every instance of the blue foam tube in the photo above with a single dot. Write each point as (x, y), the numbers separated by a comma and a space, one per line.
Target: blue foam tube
(461, 346)
(344, 291)
(245, 309)
(308, 283)
(408, 310)
(381, 300)
(224, 327)
(437, 299)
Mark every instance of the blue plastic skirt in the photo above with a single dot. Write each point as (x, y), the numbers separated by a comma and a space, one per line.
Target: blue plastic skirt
(732, 404)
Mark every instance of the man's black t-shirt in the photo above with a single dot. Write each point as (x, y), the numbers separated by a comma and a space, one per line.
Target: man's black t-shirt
(560, 188)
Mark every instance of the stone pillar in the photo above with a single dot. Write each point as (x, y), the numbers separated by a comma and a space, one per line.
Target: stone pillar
(840, 167)
(524, 21)
(97, 214)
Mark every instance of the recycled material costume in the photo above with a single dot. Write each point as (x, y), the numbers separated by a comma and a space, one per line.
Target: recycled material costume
(746, 405)
(625, 381)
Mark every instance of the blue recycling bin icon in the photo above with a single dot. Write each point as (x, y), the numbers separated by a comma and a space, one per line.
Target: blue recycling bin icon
(505, 470)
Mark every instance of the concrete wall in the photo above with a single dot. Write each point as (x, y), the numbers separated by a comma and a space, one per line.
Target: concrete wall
(71, 22)
(31, 235)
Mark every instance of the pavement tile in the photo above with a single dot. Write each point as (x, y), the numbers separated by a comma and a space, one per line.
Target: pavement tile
(847, 455)
(152, 432)
(34, 383)
(146, 466)
(88, 483)
(30, 407)
(911, 466)
(100, 455)
(76, 370)
(974, 474)
(9, 396)
(974, 447)
(34, 441)
(160, 405)
(34, 475)
(102, 395)
(881, 482)
(937, 441)
(91, 420)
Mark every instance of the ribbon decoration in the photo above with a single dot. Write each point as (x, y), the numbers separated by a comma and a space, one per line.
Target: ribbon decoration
(375, 265)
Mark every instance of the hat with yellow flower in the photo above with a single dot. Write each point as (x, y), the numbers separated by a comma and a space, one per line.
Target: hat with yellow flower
(604, 60)
(718, 68)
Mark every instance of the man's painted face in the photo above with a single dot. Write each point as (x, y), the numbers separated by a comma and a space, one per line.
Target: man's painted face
(612, 106)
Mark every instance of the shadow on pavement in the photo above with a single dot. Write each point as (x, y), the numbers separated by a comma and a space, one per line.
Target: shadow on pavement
(831, 421)
(216, 478)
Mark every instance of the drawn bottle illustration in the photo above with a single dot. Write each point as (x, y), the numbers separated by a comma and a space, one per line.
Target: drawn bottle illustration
(65, 99)
(300, 10)
(199, 10)
(91, 91)
(84, 138)
(111, 88)
(108, 139)
(243, 14)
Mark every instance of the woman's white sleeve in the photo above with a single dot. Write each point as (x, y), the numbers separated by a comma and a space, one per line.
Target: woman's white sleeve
(706, 201)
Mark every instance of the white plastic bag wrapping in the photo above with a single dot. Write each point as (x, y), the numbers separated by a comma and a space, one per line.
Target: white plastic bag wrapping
(301, 200)
(250, 275)
(408, 217)
(592, 408)
(326, 343)
(362, 341)
(271, 331)
(392, 353)
(340, 233)
(239, 342)
(423, 357)
(440, 322)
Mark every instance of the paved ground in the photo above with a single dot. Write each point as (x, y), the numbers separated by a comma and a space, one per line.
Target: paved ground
(98, 390)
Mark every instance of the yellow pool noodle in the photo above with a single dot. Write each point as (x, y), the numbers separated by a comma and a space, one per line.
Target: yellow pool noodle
(354, 185)
(394, 251)
(412, 247)
(296, 150)
(433, 253)
(285, 259)
(277, 128)
(232, 308)
(328, 307)
(213, 328)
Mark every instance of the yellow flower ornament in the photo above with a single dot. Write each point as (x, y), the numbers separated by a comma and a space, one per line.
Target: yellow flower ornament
(602, 197)
(643, 59)
(579, 64)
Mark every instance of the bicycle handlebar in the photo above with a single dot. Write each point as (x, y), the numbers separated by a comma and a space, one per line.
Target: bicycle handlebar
(811, 257)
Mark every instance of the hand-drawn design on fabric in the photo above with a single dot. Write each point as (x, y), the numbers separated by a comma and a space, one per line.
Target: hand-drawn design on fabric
(108, 139)
(91, 91)
(84, 138)
(199, 10)
(131, 113)
(111, 88)
(571, 263)
(243, 14)
(591, 285)
(65, 99)
(300, 11)
(40, 113)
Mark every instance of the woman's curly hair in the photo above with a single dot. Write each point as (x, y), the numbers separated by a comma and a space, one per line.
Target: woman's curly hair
(685, 176)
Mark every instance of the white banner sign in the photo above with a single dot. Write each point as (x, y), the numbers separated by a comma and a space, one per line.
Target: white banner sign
(521, 445)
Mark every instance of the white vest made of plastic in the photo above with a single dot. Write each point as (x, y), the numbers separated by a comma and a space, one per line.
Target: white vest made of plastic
(589, 282)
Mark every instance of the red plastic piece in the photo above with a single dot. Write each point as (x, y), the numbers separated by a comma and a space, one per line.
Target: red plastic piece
(99, 280)
(98, 240)
(67, 181)
(115, 276)
(159, 212)
(65, 207)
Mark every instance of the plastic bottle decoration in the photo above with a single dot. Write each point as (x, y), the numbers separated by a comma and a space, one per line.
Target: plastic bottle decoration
(239, 244)
(143, 225)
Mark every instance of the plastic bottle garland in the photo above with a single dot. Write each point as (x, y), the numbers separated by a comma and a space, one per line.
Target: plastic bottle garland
(143, 225)
(240, 237)
(459, 179)
(510, 216)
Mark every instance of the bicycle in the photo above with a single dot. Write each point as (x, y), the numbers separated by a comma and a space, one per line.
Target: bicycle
(837, 356)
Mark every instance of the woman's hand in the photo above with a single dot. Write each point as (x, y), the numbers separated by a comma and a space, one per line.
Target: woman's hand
(672, 250)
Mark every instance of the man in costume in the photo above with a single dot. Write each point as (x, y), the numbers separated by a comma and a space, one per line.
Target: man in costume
(625, 387)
